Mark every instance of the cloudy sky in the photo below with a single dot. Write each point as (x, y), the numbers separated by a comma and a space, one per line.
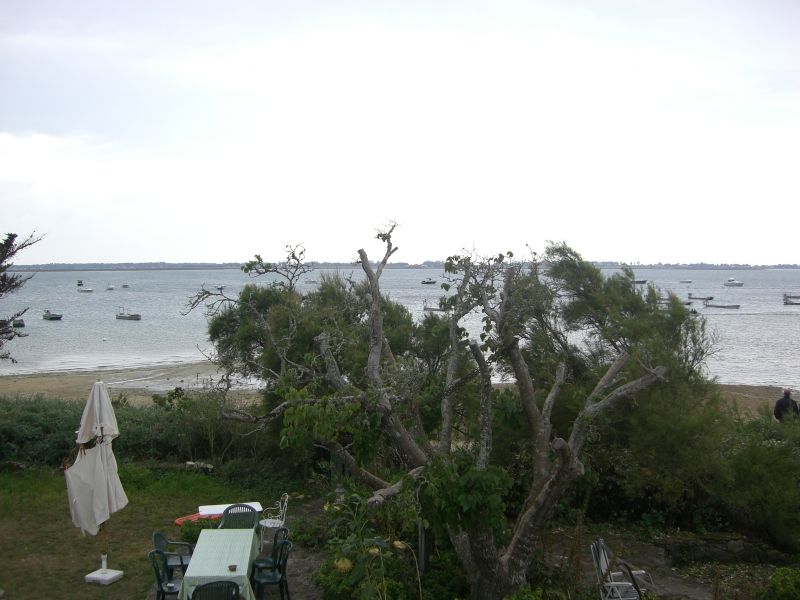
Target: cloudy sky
(193, 130)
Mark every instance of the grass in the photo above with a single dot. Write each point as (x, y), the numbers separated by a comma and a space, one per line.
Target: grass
(43, 552)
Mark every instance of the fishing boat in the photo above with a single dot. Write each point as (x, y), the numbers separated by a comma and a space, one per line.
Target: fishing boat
(731, 282)
(428, 281)
(80, 282)
(693, 297)
(51, 316)
(708, 304)
(791, 296)
(789, 300)
(125, 285)
(427, 308)
(124, 315)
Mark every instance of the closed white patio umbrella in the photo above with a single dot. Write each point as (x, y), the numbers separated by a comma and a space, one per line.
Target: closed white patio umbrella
(93, 486)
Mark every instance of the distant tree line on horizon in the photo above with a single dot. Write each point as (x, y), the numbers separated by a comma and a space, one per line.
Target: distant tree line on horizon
(428, 264)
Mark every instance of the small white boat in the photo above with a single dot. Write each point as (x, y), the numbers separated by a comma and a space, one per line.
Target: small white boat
(709, 304)
(124, 315)
(428, 281)
(733, 282)
(51, 316)
(110, 286)
(85, 290)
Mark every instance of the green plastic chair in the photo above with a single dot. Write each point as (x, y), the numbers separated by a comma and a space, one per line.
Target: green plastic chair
(268, 562)
(239, 516)
(217, 590)
(175, 560)
(165, 586)
(276, 576)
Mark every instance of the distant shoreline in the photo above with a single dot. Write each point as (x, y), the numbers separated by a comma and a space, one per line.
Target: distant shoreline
(62, 267)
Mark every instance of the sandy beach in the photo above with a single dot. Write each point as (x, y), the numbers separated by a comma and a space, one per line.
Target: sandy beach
(139, 384)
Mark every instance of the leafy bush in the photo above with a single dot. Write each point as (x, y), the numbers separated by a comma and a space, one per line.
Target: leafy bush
(39, 431)
(190, 530)
(784, 584)
(760, 487)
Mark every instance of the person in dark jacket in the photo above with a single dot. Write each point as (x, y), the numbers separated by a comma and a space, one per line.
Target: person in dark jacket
(785, 405)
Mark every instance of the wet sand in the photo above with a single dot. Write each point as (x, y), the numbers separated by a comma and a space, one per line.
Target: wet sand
(139, 384)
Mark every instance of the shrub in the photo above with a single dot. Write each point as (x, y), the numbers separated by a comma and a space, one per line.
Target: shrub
(784, 584)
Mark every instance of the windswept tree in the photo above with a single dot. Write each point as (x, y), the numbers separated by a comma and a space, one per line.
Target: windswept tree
(417, 401)
(10, 283)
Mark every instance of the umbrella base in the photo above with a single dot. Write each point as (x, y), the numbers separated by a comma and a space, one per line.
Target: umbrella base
(103, 576)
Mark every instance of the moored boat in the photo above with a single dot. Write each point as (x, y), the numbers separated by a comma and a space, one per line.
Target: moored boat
(51, 316)
(124, 315)
(693, 297)
(790, 300)
(85, 290)
(708, 304)
(427, 308)
(686, 281)
(731, 282)
(428, 281)
(18, 323)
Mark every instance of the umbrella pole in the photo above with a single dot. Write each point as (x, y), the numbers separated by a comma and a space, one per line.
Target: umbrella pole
(103, 535)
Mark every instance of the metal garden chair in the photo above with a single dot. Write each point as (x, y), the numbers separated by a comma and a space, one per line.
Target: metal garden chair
(274, 516)
(614, 585)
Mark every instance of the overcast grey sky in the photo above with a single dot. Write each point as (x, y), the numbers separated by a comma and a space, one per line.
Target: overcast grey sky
(188, 130)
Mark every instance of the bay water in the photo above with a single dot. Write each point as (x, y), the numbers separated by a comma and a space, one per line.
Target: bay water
(756, 343)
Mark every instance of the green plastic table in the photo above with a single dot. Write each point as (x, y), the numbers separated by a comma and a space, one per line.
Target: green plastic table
(215, 550)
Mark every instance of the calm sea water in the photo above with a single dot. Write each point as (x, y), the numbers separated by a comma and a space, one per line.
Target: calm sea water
(756, 342)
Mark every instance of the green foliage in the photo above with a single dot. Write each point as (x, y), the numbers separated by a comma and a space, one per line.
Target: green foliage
(760, 487)
(659, 456)
(445, 576)
(784, 584)
(39, 431)
(526, 593)
(459, 495)
(190, 530)
(364, 563)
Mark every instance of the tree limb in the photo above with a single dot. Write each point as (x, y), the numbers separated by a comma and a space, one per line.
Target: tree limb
(390, 490)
